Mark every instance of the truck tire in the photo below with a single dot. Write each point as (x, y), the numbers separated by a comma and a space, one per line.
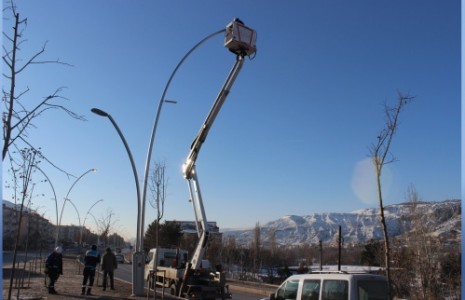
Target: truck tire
(173, 289)
(150, 283)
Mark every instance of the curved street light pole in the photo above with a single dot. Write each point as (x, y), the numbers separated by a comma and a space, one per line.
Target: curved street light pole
(136, 256)
(77, 211)
(138, 284)
(154, 129)
(96, 227)
(66, 199)
(56, 201)
(84, 221)
(131, 159)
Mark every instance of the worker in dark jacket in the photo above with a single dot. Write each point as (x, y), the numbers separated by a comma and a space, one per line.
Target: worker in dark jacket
(54, 268)
(91, 260)
(109, 264)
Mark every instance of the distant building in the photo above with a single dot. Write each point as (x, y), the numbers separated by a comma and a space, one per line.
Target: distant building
(34, 228)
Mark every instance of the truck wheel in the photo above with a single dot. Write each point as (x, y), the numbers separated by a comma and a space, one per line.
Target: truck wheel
(173, 290)
(150, 283)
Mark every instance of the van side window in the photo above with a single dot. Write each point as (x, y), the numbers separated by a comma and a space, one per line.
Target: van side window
(311, 290)
(372, 289)
(335, 290)
(288, 290)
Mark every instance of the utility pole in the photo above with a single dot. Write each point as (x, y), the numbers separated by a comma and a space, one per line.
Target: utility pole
(339, 246)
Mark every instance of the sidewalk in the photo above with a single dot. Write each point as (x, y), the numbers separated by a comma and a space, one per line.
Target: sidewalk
(68, 285)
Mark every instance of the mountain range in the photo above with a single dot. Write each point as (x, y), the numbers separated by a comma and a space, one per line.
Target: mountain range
(441, 219)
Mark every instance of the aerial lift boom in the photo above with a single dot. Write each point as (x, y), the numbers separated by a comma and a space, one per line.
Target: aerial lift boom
(240, 40)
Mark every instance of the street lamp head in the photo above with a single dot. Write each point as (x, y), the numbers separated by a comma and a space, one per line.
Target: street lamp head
(99, 112)
(240, 39)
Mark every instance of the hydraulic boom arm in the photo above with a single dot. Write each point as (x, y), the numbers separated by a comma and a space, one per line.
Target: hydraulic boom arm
(241, 41)
(188, 166)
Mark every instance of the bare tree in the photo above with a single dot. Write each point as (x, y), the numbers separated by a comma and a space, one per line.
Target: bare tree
(230, 249)
(107, 225)
(381, 155)
(22, 188)
(158, 184)
(18, 117)
(427, 250)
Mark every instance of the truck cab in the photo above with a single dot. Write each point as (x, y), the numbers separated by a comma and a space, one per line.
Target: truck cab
(334, 286)
(167, 257)
(173, 271)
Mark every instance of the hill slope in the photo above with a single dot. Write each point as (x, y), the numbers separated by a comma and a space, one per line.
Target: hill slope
(442, 219)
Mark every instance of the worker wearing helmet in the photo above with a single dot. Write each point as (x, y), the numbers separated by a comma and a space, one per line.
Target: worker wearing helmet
(54, 268)
(91, 260)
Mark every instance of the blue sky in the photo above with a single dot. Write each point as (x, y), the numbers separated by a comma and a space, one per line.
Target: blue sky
(294, 134)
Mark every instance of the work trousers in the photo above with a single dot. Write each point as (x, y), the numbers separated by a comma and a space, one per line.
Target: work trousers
(108, 274)
(89, 274)
(53, 276)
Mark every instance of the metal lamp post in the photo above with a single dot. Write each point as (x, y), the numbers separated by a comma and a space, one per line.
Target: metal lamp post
(139, 287)
(84, 221)
(66, 199)
(79, 217)
(131, 159)
(55, 198)
(138, 261)
(96, 227)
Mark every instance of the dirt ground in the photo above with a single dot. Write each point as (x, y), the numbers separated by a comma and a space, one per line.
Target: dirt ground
(68, 286)
(32, 285)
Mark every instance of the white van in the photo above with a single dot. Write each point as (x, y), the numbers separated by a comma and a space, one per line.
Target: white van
(333, 286)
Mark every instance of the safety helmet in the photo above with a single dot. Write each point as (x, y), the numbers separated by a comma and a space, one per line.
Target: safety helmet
(58, 250)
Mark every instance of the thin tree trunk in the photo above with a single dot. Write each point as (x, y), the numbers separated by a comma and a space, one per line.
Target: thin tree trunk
(7, 130)
(387, 253)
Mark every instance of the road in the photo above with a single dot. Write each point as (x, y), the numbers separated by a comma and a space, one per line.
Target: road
(124, 272)
(7, 256)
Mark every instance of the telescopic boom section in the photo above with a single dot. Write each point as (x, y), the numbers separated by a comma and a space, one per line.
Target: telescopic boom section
(188, 167)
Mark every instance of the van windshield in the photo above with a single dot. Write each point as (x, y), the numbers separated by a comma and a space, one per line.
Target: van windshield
(372, 290)
(288, 290)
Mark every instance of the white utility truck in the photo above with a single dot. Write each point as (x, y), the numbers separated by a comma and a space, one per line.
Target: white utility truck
(172, 267)
(195, 279)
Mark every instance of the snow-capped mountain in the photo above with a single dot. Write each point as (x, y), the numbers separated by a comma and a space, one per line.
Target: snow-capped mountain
(442, 219)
